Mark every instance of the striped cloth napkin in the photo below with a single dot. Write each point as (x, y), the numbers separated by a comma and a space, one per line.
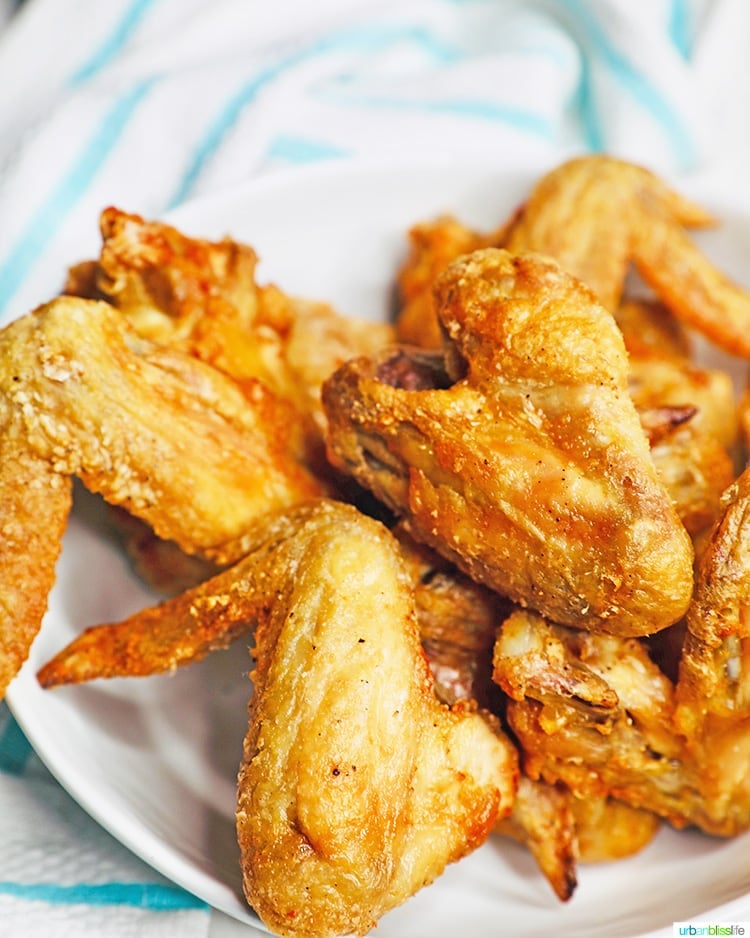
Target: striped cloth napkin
(146, 104)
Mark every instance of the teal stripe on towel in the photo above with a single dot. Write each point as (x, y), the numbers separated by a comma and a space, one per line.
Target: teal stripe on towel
(366, 39)
(632, 81)
(51, 214)
(154, 896)
(114, 42)
(681, 27)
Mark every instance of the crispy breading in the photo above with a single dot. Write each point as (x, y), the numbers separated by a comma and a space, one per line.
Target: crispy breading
(622, 728)
(432, 246)
(203, 298)
(36, 502)
(157, 432)
(524, 462)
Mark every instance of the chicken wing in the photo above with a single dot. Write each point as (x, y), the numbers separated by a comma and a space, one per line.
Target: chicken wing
(595, 713)
(596, 215)
(522, 460)
(203, 298)
(156, 432)
(171, 439)
(36, 502)
(357, 786)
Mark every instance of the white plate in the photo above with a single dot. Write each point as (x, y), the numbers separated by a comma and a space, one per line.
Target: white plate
(155, 760)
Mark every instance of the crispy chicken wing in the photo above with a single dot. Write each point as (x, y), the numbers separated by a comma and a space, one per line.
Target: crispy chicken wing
(169, 438)
(523, 459)
(596, 713)
(596, 215)
(157, 432)
(203, 298)
(36, 503)
(358, 786)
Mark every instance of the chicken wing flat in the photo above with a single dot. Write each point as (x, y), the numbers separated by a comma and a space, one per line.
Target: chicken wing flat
(36, 502)
(596, 215)
(358, 786)
(203, 298)
(524, 461)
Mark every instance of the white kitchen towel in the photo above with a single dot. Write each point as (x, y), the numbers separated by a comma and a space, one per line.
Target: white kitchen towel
(148, 103)
(145, 104)
(62, 875)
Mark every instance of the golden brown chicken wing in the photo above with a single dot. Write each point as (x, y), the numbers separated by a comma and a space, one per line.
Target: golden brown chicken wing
(157, 432)
(596, 713)
(596, 215)
(358, 786)
(522, 460)
(203, 298)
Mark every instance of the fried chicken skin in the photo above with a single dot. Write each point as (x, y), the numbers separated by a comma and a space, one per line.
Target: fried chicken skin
(156, 432)
(432, 246)
(203, 298)
(357, 786)
(596, 713)
(520, 457)
(597, 215)
(36, 503)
